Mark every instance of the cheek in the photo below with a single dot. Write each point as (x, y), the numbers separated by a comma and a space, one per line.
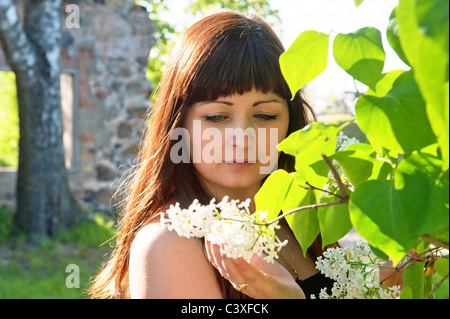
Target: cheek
(282, 132)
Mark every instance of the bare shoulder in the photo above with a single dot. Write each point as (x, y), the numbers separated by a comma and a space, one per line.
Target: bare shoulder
(165, 265)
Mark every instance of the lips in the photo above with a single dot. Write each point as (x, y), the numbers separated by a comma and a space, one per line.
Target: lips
(240, 161)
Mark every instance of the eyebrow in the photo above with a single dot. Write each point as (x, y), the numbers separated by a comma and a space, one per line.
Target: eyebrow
(231, 104)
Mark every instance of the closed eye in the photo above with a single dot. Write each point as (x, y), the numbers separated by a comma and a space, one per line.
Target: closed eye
(215, 118)
(266, 117)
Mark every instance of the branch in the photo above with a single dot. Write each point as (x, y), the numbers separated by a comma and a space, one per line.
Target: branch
(434, 241)
(343, 197)
(336, 177)
(436, 286)
(295, 210)
(409, 259)
(18, 51)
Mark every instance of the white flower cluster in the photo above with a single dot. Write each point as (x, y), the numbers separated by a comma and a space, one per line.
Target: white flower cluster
(343, 141)
(228, 224)
(355, 272)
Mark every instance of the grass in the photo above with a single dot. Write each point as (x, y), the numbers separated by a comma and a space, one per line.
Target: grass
(39, 272)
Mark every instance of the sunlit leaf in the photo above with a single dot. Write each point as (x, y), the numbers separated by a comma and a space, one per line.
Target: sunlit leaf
(414, 280)
(397, 121)
(305, 59)
(361, 54)
(424, 37)
(272, 194)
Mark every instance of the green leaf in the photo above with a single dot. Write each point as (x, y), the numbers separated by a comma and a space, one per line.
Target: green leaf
(356, 162)
(424, 36)
(361, 54)
(305, 59)
(393, 36)
(423, 193)
(441, 266)
(296, 194)
(304, 224)
(310, 142)
(386, 83)
(272, 194)
(406, 293)
(334, 221)
(392, 214)
(358, 2)
(307, 146)
(397, 121)
(376, 216)
(414, 279)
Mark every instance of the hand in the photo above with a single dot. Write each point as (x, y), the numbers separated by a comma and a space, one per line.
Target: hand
(264, 280)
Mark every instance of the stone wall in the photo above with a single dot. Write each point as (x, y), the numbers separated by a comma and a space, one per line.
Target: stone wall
(109, 53)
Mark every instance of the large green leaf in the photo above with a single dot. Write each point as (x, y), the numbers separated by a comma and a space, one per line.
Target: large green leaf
(414, 280)
(361, 54)
(297, 193)
(393, 36)
(305, 59)
(304, 224)
(334, 221)
(424, 36)
(356, 162)
(272, 194)
(392, 214)
(423, 193)
(441, 265)
(310, 142)
(397, 121)
(307, 146)
(376, 216)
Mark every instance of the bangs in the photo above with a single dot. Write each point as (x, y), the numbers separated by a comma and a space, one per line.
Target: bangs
(238, 60)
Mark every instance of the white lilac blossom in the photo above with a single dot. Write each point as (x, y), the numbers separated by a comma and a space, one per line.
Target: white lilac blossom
(228, 224)
(343, 141)
(355, 272)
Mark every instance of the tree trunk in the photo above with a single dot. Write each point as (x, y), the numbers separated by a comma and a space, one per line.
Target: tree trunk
(33, 50)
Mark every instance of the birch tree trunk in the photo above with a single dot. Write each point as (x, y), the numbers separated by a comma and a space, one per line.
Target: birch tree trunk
(33, 50)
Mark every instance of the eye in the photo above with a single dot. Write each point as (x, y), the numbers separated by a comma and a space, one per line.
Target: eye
(266, 117)
(215, 118)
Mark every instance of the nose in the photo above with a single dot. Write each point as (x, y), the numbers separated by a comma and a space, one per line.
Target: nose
(241, 138)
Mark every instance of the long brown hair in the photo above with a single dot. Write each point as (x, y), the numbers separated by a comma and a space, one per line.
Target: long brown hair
(223, 54)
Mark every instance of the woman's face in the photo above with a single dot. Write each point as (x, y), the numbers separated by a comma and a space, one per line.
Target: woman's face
(233, 141)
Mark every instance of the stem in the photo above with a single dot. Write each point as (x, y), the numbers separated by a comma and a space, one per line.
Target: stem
(310, 187)
(408, 261)
(434, 241)
(436, 286)
(336, 177)
(342, 201)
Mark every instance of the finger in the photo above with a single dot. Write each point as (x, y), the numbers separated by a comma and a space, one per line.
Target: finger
(231, 272)
(213, 254)
(247, 270)
(209, 253)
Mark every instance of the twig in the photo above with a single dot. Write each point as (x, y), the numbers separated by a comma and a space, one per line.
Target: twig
(436, 286)
(434, 241)
(336, 176)
(343, 197)
(310, 187)
(408, 261)
(295, 210)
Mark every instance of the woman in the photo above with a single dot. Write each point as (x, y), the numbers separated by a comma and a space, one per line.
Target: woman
(223, 74)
